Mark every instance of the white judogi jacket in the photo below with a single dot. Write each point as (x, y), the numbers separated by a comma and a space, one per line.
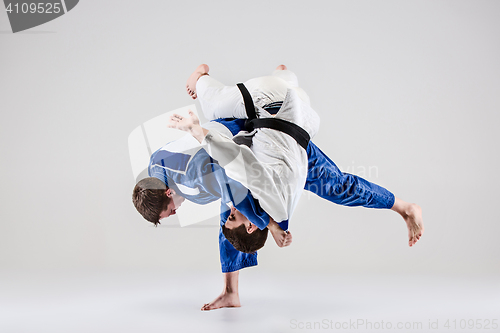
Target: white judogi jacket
(274, 168)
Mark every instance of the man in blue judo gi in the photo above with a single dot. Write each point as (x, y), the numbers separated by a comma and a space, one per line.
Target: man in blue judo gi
(171, 165)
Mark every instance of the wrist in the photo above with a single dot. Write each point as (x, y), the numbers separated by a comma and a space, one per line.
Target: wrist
(198, 132)
(272, 224)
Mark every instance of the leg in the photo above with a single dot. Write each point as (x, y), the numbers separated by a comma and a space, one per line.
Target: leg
(220, 101)
(229, 297)
(327, 181)
(274, 88)
(216, 99)
(283, 73)
(193, 78)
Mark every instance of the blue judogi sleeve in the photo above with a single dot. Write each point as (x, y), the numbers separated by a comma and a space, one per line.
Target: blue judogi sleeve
(196, 171)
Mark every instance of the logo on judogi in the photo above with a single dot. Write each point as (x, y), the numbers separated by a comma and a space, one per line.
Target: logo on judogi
(26, 14)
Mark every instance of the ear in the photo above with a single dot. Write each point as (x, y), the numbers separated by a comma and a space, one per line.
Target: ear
(169, 192)
(251, 228)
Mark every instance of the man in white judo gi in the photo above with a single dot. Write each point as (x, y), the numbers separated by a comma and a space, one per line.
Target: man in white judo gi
(275, 169)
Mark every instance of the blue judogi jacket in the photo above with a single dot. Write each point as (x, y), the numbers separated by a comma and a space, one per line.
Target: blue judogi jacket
(184, 166)
(195, 175)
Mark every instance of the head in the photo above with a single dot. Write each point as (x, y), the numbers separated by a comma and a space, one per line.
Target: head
(243, 234)
(154, 200)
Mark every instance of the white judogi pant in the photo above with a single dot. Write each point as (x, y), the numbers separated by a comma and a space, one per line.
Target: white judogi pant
(220, 101)
(274, 168)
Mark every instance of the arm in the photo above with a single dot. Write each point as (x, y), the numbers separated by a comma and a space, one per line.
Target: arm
(188, 124)
(240, 164)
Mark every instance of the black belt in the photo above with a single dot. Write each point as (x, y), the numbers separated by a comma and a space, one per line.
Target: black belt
(295, 131)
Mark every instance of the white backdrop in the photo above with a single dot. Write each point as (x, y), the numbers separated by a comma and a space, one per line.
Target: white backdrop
(407, 92)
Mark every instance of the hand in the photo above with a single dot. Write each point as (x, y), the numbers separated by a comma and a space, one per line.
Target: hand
(185, 124)
(190, 124)
(282, 238)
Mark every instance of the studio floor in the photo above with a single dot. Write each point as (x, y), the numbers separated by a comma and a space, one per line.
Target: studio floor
(164, 302)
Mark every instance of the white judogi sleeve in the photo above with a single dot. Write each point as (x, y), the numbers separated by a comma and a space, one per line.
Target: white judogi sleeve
(241, 165)
(274, 169)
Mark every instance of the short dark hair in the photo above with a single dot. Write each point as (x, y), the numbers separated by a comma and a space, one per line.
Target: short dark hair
(150, 199)
(243, 241)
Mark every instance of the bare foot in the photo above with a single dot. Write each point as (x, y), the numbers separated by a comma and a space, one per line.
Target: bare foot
(193, 78)
(414, 222)
(281, 68)
(224, 300)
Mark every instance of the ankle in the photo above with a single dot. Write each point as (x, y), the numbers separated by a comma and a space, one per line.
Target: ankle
(227, 292)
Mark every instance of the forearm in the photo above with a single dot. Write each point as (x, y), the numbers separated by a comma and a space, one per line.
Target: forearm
(199, 133)
(273, 226)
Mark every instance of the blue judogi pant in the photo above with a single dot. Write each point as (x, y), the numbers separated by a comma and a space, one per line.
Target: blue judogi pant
(324, 179)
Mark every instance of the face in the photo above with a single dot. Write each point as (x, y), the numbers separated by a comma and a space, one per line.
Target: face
(174, 204)
(236, 219)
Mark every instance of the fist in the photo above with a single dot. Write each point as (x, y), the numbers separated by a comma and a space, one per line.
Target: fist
(282, 238)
